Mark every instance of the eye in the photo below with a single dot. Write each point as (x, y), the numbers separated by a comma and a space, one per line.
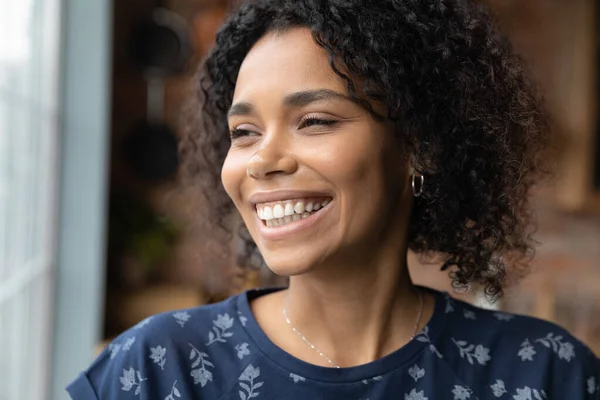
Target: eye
(314, 121)
(236, 133)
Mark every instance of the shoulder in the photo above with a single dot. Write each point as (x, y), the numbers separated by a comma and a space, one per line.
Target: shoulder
(178, 323)
(214, 322)
(505, 330)
(181, 346)
(522, 351)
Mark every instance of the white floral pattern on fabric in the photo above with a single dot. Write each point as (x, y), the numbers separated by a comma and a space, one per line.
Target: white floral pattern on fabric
(297, 378)
(201, 375)
(527, 351)
(181, 317)
(461, 392)
(157, 354)
(113, 349)
(565, 350)
(473, 352)
(523, 394)
(143, 323)
(174, 392)
(498, 388)
(129, 381)
(500, 316)
(220, 329)
(242, 350)
(530, 394)
(592, 385)
(246, 381)
(416, 373)
(423, 336)
(414, 395)
(468, 314)
(242, 318)
(128, 343)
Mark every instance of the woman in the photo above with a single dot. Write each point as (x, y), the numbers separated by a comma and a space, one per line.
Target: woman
(349, 132)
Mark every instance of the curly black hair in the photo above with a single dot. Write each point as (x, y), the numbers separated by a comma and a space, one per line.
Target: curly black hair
(464, 105)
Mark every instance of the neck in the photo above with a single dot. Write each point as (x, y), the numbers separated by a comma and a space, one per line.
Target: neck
(372, 309)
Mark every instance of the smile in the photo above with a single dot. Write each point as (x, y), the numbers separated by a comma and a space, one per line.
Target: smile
(280, 213)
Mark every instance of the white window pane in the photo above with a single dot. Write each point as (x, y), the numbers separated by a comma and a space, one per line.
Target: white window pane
(29, 54)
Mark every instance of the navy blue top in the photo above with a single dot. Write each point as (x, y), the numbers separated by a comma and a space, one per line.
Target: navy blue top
(219, 352)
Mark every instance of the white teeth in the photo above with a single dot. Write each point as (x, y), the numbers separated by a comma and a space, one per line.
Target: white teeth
(289, 209)
(299, 207)
(278, 211)
(267, 213)
(276, 222)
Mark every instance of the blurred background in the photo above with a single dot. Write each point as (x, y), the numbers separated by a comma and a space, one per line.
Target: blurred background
(95, 233)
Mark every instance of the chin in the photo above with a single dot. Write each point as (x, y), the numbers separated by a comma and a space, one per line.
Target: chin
(288, 265)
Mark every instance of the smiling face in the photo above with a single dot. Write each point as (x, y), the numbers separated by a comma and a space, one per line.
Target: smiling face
(314, 176)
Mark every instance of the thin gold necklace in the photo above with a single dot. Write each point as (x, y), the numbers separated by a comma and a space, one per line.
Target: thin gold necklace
(315, 348)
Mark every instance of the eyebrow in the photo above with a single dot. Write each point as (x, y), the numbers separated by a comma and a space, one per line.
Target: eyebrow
(242, 109)
(300, 99)
(297, 99)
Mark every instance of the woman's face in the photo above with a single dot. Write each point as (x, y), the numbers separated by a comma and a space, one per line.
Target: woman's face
(313, 175)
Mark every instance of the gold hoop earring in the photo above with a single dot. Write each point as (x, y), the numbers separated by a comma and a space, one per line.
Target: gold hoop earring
(421, 178)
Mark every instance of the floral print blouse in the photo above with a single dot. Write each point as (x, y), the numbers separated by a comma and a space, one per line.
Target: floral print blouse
(219, 352)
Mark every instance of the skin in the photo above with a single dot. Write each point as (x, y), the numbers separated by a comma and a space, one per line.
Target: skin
(349, 283)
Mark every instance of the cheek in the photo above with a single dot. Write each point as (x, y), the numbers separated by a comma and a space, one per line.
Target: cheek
(357, 167)
(232, 176)
(358, 170)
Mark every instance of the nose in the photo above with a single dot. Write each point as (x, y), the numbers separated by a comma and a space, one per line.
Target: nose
(273, 157)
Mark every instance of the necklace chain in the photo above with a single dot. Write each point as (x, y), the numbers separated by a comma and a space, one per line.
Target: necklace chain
(315, 348)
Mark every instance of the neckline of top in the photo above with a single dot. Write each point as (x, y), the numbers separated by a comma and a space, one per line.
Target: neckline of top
(425, 339)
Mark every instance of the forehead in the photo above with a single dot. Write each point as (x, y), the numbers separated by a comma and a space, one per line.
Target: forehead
(285, 62)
